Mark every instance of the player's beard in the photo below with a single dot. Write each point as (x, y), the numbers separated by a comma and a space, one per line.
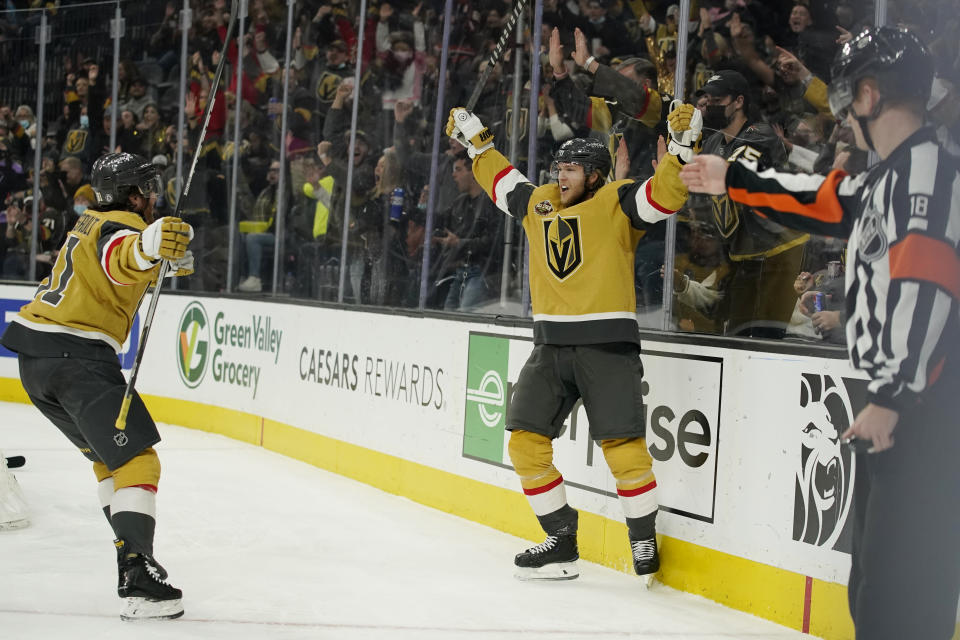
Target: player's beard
(584, 191)
(573, 195)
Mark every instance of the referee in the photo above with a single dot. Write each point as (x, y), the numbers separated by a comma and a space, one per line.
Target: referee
(902, 219)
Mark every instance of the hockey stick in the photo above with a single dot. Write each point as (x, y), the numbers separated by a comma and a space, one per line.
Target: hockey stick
(518, 7)
(121, 423)
(15, 462)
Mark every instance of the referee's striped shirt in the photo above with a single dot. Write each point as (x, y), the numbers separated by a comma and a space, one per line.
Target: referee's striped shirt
(902, 219)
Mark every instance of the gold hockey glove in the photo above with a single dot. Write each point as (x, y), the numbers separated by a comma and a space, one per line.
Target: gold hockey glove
(182, 266)
(685, 124)
(466, 128)
(166, 239)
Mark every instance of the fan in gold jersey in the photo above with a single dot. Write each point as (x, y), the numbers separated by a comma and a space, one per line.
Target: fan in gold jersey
(67, 339)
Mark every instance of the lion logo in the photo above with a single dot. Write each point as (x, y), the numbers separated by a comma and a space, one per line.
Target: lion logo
(824, 476)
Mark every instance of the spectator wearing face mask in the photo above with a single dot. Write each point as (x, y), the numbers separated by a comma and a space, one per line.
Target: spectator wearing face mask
(83, 199)
(85, 96)
(81, 141)
(402, 56)
(25, 118)
(14, 135)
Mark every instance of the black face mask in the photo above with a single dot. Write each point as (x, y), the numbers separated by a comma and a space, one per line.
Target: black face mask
(716, 117)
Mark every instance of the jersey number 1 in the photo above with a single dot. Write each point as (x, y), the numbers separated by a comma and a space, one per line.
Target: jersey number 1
(54, 297)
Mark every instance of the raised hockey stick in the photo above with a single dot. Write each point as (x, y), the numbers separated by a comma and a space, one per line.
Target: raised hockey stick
(121, 422)
(518, 7)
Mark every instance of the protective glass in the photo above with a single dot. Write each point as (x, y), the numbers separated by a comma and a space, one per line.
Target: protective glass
(840, 95)
(555, 168)
(150, 184)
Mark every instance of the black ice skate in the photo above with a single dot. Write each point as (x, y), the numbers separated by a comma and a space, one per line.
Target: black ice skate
(646, 558)
(143, 587)
(553, 559)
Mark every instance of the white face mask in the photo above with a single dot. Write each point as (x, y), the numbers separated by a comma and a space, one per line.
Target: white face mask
(403, 56)
(84, 121)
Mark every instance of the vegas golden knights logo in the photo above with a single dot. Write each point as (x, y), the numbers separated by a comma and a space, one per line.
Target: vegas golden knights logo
(524, 120)
(725, 214)
(561, 237)
(327, 86)
(76, 141)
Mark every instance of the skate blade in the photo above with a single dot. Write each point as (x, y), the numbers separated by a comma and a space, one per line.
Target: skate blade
(647, 580)
(145, 609)
(553, 571)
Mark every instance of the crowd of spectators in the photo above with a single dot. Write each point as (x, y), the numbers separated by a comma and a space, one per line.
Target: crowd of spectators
(783, 48)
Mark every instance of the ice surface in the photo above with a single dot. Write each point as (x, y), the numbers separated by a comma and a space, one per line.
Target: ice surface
(267, 547)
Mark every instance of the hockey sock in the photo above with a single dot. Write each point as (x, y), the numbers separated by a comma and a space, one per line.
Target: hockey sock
(532, 457)
(133, 516)
(105, 493)
(104, 488)
(643, 527)
(561, 522)
(631, 465)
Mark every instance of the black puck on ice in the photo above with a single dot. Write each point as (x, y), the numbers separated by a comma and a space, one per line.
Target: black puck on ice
(14, 462)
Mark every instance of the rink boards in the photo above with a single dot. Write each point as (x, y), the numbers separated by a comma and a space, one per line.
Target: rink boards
(753, 486)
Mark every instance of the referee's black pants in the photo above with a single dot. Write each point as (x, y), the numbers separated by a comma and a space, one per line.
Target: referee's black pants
(905, 579)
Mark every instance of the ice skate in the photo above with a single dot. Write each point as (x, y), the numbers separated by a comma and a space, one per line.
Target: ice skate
(646, 558)
(553, 559)
(144, 590)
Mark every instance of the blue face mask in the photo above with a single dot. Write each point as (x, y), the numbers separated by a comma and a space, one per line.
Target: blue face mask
(25, 124)
(79, 208)
(84, 121)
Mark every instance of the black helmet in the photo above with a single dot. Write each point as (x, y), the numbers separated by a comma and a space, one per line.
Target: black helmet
(116, 175)
(589, 153)
(895, 57)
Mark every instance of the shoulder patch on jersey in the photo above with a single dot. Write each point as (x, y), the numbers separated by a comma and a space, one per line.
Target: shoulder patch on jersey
(543, 207)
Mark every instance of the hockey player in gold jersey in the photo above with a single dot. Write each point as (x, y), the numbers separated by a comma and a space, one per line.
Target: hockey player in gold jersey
(582, 234)
(67, 339)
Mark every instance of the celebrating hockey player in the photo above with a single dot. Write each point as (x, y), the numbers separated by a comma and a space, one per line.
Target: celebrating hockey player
(583, 233)
(902, 219)
(68, 338)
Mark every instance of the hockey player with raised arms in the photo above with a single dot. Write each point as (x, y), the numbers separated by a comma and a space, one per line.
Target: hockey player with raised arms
(67, 340)
(582, 232)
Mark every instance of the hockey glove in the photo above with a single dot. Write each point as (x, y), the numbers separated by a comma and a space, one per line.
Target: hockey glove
(466, 128)
(182, 266)
(166, 239)
(685, 124)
